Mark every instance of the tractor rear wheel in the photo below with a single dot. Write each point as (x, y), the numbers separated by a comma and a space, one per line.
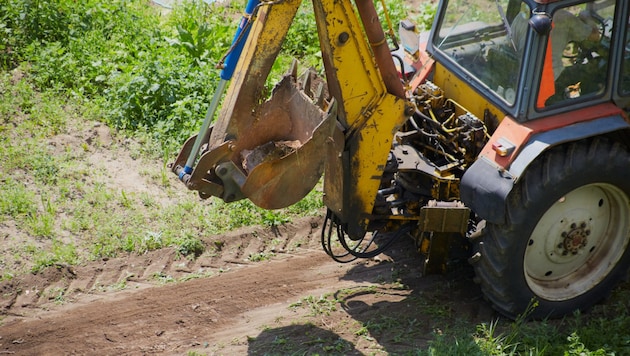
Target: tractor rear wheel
(565, 243)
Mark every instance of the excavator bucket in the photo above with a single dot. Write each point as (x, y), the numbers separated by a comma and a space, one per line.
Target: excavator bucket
(284, 168)
(273, 155)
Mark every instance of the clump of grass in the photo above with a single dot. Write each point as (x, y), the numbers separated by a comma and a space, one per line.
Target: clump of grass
(16, 200)
(322, 305)
(59, 253)
(259, 257)
(189, 245)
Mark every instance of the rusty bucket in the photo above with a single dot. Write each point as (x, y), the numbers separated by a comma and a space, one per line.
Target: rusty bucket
(284, 169)
(274, 154)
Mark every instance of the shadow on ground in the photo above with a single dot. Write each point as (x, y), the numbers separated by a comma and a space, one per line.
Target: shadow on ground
(394, 311)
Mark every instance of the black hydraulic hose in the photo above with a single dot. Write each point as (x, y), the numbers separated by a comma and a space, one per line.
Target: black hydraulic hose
(361, 246)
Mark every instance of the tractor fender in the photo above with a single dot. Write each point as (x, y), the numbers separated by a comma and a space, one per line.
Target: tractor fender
(486, 184)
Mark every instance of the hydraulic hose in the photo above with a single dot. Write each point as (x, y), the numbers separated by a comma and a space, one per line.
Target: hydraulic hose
(227, 71)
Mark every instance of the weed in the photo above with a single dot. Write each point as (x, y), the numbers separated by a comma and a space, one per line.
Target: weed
(163, 278)
(258, 257)
(147, 200)
(125, 201)
(274, 218)
(364, 330)
(42, 225)
(426, 14)
(324, 305)
(218, 245)
(199, 274)
(151, 240)
(340, 346)
(492, 344)
(343, 294)
(119, 286)
(189, 245)
(16, 200)
(57, 294)
(60, 253)
(195, 353)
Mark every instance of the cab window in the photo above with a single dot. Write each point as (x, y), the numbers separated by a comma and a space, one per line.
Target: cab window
(485, 39)
(577, 54)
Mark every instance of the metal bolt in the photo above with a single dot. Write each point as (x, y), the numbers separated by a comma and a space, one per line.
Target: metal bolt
(343, 37)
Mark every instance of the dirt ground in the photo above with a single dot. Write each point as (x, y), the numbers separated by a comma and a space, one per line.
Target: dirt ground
(230, 306)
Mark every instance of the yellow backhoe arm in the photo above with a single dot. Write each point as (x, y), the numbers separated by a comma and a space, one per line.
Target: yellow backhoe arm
(273, 152)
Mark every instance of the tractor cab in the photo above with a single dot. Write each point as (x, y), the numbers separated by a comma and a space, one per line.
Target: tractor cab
(531, 59)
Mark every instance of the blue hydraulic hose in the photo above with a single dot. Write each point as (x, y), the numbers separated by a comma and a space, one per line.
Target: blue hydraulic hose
(237, 42)
(226, 74)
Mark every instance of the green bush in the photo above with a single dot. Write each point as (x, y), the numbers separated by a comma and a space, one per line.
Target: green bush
(31, 25)
(166, 93)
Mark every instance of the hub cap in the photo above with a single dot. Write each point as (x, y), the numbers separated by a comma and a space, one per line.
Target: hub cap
(577, 242)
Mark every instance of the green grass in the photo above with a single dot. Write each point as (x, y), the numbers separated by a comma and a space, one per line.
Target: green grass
(322, 305)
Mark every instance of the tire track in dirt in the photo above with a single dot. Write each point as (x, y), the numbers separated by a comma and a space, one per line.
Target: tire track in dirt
(187, 312)
(26, 294)
(223, 302)
(105, 305)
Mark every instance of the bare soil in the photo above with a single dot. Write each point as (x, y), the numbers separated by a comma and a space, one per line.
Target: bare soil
(236, 306)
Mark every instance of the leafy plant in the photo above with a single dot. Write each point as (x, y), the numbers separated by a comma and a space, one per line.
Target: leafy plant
(16, 200)
(426, 14)
(60, 253)
(259, 257)
(274, 218)
(189, 245)
(322, 305)
(577, 348)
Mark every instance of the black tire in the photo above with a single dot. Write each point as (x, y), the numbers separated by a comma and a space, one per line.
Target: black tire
(565, 243)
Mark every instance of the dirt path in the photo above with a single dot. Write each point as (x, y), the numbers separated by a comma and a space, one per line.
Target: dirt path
(169, 318)
(295, 302)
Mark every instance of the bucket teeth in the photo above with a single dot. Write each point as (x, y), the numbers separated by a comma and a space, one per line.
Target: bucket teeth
(293, 69)
(319, 95)
(283, 168)
(305, 83)
(311, 85)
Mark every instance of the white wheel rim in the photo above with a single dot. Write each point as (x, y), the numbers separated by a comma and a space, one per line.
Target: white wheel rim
(577, 242)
